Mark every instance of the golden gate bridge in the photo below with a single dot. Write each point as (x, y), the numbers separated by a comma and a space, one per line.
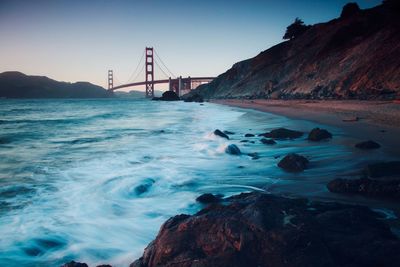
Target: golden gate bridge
(177, 84)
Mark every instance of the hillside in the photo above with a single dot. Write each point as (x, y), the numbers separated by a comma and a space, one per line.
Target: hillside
(19, 85)
(353, 57)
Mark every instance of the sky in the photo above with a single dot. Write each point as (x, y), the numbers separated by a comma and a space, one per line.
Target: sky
(80, 40)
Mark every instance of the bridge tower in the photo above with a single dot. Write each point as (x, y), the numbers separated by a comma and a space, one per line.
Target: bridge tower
(149, 72)
(110, 80)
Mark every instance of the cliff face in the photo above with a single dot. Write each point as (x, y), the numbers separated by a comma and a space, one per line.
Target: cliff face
(19, 85)
(354, 56)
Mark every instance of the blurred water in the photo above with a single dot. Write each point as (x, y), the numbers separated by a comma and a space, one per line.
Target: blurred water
(93, 180)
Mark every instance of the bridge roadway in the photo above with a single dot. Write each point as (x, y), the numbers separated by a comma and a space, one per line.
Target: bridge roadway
(183, 80)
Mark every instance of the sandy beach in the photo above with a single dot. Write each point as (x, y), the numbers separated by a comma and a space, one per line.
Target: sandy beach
(369, 120)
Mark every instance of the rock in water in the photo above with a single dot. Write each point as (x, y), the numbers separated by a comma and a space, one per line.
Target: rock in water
(381, 169)
(282, 133)
(194, 98)
(318, 134)
(267, 141)
(208, 198)
(221, 134)
(368, 145)
(229, 132)
(255, 229)
(74, 264)
(168, 96)
(232, 149)
(249, 135)
(293, 163)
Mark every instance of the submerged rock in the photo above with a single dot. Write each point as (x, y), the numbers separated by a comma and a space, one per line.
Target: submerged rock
(257, 229)
(381, 169)
(267, 141)
(367, 187)
(368, 145)
(293, 163)
(229, 132)
(144, 186)
(249, 135)
(208, 198)
(233, 150)
(221, 134)
(282, 133)
(318, 134)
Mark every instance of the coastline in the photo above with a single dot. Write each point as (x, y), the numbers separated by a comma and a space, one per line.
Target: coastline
(377, 120)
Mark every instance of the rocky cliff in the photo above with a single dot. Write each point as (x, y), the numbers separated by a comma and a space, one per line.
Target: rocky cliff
(354, 56)
(18, 85)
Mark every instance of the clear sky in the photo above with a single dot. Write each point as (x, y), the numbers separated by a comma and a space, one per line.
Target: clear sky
(79, 40)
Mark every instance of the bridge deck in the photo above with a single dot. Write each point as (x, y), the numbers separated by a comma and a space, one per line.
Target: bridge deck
(162, 81)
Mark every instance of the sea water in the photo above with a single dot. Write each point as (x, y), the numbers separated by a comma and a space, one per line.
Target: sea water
(93, 180)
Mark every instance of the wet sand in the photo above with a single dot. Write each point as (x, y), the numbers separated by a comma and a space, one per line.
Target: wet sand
(377, 120)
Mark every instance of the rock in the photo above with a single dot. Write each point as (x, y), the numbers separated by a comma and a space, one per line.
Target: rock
(244, 141)
(255, 229)
(368, 145)
(144, 187)
(194, 98)
(104, 265)
(233, 150)
(282, 133)
(249, 135)
(254, 155)
(293, 163)
(168, 96)
(367, 187)
(229, 132)
(221, 134)
(75, 264)
(381, 169)
(318, 134)
(208, 198)
(267, 141)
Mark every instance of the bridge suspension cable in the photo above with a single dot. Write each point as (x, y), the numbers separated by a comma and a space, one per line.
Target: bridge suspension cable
(166, 75)
(159, 58)
(136, 69)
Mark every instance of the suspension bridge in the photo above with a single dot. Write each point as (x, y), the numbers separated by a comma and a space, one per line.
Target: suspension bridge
(179, 85)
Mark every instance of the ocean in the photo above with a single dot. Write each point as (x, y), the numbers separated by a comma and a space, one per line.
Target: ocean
(93, 180)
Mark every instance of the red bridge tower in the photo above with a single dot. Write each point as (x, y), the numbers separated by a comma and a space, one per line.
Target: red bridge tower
(149, 72)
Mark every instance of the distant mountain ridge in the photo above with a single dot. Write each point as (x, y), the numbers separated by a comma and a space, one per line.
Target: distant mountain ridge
(356, 56)
(15, 84)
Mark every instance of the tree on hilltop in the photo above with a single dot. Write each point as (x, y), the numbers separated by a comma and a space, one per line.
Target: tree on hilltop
(295, 29)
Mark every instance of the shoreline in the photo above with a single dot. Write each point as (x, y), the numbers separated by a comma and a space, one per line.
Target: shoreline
(377, 120)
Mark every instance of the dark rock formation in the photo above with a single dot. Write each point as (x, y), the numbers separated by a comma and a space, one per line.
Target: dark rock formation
(18, 85)
(318, 134)
(75, 264)
(242, 141)
(254, 155)
(208, 198)
(221, 134)
(249, 135)
(382, 169)
(228, 132)
(194, 98)
(267, 141)
(282, 133)
(233, 150)
(331, 60)
(256, 229)
(293, 163)
(349, 10)
(168, 96)
(367, 187)
(368, 145)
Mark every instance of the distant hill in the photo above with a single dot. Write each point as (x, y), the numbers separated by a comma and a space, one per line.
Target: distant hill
(356, 56)
(18, 85)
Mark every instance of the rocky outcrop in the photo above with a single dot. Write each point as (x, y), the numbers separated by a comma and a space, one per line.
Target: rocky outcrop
(256, 229)
(208, 198)
(318, 134)
(282, 133)
(168, 96)
(267, 141)
(352, 57)
(368, 145)
(194, 98)
(293, 163)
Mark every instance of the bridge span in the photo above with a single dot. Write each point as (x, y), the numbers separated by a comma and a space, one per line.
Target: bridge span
(179, 84)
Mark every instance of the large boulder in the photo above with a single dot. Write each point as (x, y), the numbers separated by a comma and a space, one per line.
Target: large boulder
(221, 134)
(233, 150)
(282, 133)
(318, 134)
(194, 98)
(293, 163)
(367, 187)
(208, 198)
(368, 145)
(168, 96)
(257, 229)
